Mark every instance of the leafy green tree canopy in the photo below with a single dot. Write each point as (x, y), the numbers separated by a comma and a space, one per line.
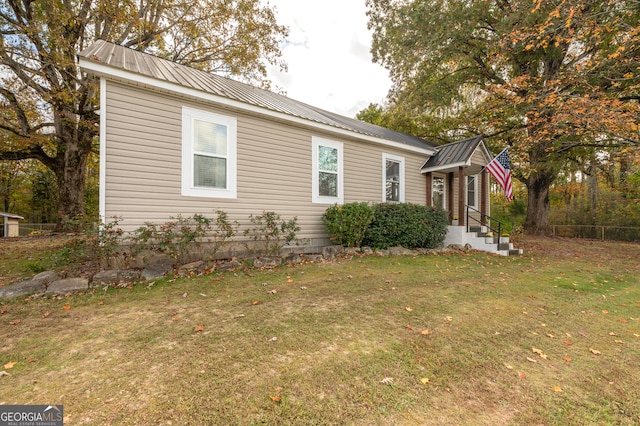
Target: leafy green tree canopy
(547, 78)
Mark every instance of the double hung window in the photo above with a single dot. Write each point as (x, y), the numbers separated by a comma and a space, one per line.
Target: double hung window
(208, 154)
(328, 171)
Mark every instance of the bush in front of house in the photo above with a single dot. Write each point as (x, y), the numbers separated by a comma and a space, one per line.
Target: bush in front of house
(408, 225)
(347, 224)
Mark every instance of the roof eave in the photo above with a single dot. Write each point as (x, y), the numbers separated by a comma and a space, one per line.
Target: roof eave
(103, 70)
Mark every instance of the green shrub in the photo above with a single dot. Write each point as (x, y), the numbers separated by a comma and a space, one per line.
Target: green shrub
(407, 225)
(347, 224)
(181, 236)
(270, 233)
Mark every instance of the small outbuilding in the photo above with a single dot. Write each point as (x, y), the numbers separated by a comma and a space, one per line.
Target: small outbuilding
(9, 225)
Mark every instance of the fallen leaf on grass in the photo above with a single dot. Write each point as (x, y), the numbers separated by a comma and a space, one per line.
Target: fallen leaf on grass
(409, 327)
(424, 380)
(198, 328)
(567, 342)
(425, 332)
(557, 389)
(532, 360)
(605, 312)
(622, 320)
(566, 358)
(522, 375)
(256, 302)
(408, 309)
(449, 318)
(387, 381)
(619, 341)
(10, 365)
(539, 352)
(508, 366)
(595, 352)
(4, 373)
(275, 398)
(15, 322)
(66, 307)
(46, 314)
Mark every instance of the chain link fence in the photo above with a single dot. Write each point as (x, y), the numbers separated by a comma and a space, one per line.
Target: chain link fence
(35, 228)
(615, 233)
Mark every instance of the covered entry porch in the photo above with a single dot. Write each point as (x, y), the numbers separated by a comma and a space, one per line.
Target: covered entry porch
(458, 182)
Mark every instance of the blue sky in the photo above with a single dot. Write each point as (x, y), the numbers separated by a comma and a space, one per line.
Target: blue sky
(327, 52)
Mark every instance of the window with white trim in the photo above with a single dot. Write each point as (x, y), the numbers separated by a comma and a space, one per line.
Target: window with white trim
(392, 178)
(209, 159)
(438, 192)
(472, 193)
(328, 175)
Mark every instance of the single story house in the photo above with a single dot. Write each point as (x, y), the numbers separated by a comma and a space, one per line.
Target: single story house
(9, 224)
(176, 140)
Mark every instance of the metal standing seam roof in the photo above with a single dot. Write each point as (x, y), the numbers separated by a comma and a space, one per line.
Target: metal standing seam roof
(155, 67)
(453, 153)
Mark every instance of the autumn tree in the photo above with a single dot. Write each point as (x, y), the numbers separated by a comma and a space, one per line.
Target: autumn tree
(547, 78)
(48, 107)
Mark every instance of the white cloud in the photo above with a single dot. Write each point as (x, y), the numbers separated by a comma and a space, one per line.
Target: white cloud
(327, 52)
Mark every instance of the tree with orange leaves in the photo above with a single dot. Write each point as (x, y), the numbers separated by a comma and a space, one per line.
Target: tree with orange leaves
(49, 107)
(549, 79)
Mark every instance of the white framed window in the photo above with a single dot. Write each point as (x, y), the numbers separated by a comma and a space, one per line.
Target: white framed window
(472, 191)
(328, 171)
(209, 154)
(438, 193)
(392, 178)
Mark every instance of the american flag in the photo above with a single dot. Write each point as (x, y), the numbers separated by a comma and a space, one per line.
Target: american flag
(500, 168)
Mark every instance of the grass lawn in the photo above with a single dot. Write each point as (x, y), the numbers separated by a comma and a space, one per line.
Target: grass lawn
(551, 337)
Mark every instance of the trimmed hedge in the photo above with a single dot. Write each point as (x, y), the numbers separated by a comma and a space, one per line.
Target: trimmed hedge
(408, 225)
(347, 224)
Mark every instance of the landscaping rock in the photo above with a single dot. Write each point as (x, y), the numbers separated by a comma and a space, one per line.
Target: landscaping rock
(157, 266)
(46, 277)
(366, 251)
(23, 288)
(68, 285)
(329, 252)
(313, 257)
(292, 258)
(229, 265)
(195, 267)
(114, 277)
(261, 262)
(352, 250)
(401, 251)
(459, 247)
(382, 252)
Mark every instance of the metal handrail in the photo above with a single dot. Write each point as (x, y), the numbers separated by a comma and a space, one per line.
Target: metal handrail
(483, 217)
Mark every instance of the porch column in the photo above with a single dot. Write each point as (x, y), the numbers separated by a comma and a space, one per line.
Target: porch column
(450, 196)
(429, 179)
(483, 197)
(461, 195)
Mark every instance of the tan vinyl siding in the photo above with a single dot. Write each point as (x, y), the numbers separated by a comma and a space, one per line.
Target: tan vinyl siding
(143, 165)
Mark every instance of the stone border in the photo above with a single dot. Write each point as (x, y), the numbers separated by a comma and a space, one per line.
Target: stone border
(150, 266)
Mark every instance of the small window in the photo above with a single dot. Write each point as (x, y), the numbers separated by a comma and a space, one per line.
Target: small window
(472, 184)
(327, 171)
(438, 192)
(208, 154)
(393, 178)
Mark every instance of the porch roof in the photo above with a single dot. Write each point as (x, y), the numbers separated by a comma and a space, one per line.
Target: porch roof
(451, 156)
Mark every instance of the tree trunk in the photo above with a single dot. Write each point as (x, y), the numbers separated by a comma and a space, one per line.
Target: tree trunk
(537, 221)
(70, 167)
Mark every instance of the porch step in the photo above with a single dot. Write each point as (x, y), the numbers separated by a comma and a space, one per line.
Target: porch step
(479, 241)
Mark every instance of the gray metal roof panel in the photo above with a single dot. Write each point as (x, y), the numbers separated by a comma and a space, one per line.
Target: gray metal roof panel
(158, 68)
(453, 153)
